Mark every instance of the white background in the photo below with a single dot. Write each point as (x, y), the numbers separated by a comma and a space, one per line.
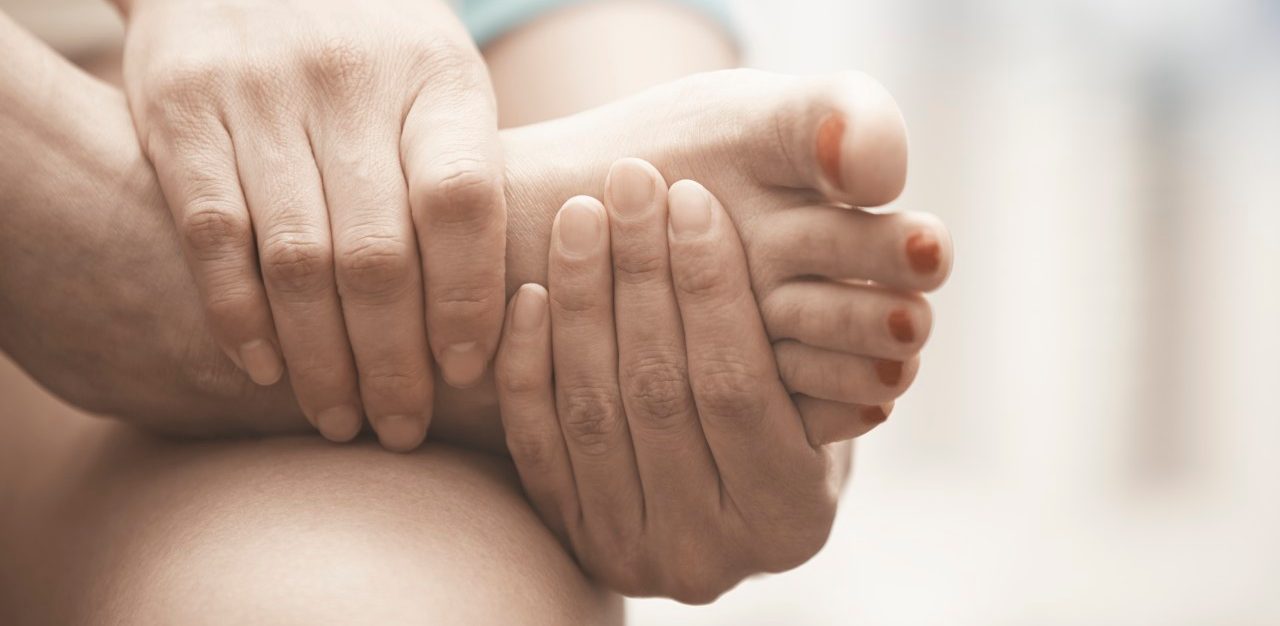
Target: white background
(1094, 436)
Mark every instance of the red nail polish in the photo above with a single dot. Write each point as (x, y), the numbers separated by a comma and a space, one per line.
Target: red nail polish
(830, 139)
(924, 253)
(900, 326)
(874, 414)
(889, 372)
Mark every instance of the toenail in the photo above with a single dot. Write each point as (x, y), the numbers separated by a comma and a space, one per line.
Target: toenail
(830, 140)
(889, 372)
(631, 188)
(874, 414)
(900, 326)
(579, 228)
(924, 252)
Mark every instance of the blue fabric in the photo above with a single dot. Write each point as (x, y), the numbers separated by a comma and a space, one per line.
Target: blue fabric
(489, 19)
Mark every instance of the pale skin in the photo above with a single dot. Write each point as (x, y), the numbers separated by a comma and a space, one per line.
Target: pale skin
(328, 164)
(209, 390)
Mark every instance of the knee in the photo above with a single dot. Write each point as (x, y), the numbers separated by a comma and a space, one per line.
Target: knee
(298, 531)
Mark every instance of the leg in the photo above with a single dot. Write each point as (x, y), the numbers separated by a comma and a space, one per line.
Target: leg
(104, 525)
(597, 52)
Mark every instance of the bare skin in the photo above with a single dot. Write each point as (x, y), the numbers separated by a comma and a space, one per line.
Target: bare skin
(767, 176)
(202, 391)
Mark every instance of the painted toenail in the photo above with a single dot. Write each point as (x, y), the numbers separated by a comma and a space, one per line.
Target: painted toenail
(874, 414)
(889, 372)
(631, 188)
(900, 326)
(579, 227)
(924, 252)
(830, 140)
(690, 208)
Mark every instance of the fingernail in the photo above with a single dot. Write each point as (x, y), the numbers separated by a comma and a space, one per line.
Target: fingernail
(924, 253)
(400, 433)
(830, 140)
(529, 310)
(690, 208)
(338, 424)
(462, 364)
(261, 362)
(579, 227)
(875, 414)
(900, 326)
(631, 188)
(889, 372)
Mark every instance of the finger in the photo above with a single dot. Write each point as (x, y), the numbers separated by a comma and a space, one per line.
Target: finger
(754, 431)
(285, 198)
(199, 180)
(526, 401)
(585, 355)
(907, 251)
(830, 422)
(676, 469)
(379, 278)
(842, 377)
(453, 162)
(857, 319)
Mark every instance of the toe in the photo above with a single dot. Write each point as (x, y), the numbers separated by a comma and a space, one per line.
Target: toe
(850, 318)
(907, 251)
(841, 377)
(828, 422)
(841, 135)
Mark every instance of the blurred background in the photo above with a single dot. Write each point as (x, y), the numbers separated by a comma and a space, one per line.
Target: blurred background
(1095, 434)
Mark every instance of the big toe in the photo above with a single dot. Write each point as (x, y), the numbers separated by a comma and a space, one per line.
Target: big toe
(842, 135)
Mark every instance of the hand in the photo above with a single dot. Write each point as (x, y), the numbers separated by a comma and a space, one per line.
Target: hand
(666, 451)
(299, 122)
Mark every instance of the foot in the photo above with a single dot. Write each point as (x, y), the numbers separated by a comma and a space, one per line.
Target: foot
(838, 288)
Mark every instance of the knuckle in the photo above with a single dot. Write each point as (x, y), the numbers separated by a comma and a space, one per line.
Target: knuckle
(215, 228)
(639, 265)
(445, 61)
(519, 382)
(464, 301)
(375, 267)
(532, 450)
(576, 303)
(727, 389)
(462, 194)
(262, 85)
(656, 388)
(701, 281)
(230, 305)
(295, 264)
(341, 66)
(590, 418)
(182, 88)
(392, 379)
